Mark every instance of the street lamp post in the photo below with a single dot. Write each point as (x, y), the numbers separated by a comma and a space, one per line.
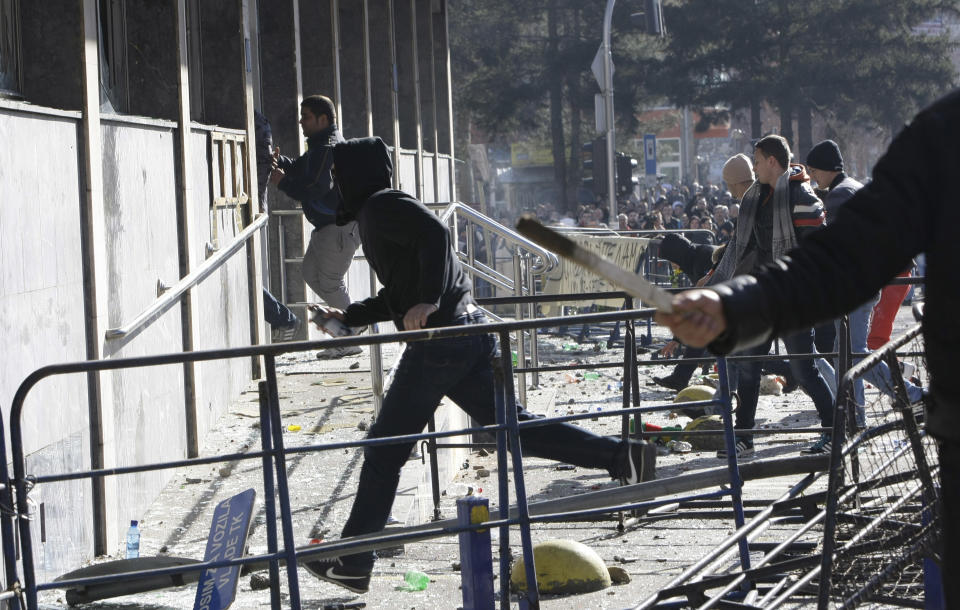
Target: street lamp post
(608, 107)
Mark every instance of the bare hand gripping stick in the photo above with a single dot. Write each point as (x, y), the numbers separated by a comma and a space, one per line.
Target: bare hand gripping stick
(631, 283)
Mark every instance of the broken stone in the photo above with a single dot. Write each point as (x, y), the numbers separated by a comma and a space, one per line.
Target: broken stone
(482, 473)
(259, 581)
(618, 575)
(354, 366)
(361, 425)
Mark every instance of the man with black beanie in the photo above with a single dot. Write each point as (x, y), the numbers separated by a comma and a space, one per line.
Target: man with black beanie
(825, 166)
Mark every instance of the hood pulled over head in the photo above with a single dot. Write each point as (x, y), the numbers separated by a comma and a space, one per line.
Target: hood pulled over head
(362, 167)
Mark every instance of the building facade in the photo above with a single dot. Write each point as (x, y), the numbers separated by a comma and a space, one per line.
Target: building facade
(126, 163)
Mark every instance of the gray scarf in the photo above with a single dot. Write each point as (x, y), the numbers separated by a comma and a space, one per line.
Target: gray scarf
(784, 237)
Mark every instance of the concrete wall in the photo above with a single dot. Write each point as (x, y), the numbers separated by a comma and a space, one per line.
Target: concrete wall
(41, 297)
(99, 209)
(140, 212)
(220, 303)
(408, 172)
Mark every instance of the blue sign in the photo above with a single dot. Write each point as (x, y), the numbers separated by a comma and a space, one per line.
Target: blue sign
(650, 153)
(228, 536)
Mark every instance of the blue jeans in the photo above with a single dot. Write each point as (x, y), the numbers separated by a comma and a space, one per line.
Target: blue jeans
(878, 375)
(276, 313)
(460, 368)
(805, 372)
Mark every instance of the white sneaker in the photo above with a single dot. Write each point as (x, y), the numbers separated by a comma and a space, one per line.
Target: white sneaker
(332, 353)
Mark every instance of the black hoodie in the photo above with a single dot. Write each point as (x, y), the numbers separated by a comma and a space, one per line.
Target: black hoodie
(405, 243)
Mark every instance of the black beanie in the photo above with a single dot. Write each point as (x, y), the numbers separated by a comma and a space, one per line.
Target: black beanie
(826, 156)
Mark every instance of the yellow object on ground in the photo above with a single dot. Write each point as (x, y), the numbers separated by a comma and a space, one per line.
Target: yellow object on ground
(563, 566)
(706, 443)
(695, 392)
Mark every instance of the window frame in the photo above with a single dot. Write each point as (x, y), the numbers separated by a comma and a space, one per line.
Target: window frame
(112, 52)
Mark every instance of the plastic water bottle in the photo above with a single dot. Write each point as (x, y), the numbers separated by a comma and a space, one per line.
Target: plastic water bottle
(415, 581)
(133, 541)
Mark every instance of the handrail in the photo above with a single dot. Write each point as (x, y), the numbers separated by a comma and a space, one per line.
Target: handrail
(548, 260)
(174, 294)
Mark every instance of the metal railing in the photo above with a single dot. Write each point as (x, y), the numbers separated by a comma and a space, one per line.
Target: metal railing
(172, 296)
(273, 455)
(529, 261)
(868, 537)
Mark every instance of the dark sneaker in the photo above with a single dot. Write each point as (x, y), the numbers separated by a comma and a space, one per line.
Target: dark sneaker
(641, 462)
(670, 382)
(289, 333)
(332, 353)
(743, 449)
(333, 570)
(823, 445)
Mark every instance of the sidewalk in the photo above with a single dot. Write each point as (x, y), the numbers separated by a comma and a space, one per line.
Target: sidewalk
(330, 401)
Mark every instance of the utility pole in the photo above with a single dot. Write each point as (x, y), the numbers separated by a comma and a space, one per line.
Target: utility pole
(607, 87)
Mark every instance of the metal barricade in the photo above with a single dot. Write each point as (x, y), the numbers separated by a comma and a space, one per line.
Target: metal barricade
(281, 546)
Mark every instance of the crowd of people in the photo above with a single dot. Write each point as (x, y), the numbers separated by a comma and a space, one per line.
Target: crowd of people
(705, 207)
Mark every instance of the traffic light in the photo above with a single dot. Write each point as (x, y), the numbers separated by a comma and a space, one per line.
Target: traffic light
(594, 157)
(625, 178)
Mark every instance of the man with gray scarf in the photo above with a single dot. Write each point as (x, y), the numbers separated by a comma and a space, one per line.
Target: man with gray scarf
(776, 212)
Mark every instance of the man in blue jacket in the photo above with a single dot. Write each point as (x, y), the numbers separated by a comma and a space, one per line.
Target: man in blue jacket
(825, 164)
(424, 286)
(308, 179)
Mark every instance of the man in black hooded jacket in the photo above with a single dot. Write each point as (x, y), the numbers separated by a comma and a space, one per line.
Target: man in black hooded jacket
(909, 207)
(424, 286)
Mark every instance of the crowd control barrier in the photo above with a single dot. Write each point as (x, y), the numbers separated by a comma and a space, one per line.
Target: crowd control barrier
(273, 452)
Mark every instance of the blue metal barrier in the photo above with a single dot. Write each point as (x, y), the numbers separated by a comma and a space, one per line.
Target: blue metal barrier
(273, 454)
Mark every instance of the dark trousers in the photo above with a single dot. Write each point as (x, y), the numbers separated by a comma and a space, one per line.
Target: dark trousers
(805, 372)
(684, 370)
(950, 520)
(461, 369)
(276, 313)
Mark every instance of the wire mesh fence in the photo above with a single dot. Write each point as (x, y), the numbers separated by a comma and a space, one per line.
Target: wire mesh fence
(882, 515)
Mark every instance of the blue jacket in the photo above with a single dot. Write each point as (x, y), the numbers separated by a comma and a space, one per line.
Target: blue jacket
(309, 181)
(842, 189)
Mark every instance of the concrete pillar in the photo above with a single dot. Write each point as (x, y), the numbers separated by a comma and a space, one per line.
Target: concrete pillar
(185, 225)
(356, 108)
(444, 93)
(428, 95)
(408, 77)
(95, 281)
(382, 72)
(408, 84)
(254, 245)
(281, 89)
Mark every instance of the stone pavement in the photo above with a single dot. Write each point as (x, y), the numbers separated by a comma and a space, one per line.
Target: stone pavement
(330, 401)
